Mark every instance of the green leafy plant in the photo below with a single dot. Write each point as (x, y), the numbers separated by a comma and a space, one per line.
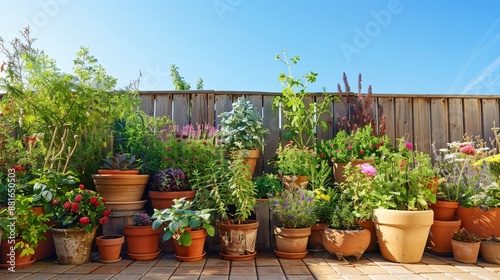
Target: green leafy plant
(267, 184)
(303, 117)
(169, 180)
(463, 235)
(120, 162)
(180, 216)
(358, 186)
(242, 127)
(292, 159)
(80, 208)
(343, 216)
(324, 204)
(294, 209)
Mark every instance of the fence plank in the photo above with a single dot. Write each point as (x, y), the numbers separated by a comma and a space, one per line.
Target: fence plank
(164, 105)
(271, 121)
(200, 108)
(472, 116)
(223, 103)
(456, 120)
(422, 124)
(490, 116)
(439, 122)
(404, 118)
(181, 111)
(387, 104)
(328, 118)
(148, 104)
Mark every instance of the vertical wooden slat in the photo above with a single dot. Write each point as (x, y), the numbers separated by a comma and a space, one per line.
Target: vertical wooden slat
(490, 116)
(439, 122)
(223, 103)
(262, 214)
(328, 118)
(164, 105)
(148, 102)
(199, 108)
(472, 116)
(340, 110)
(422, 124)
(387, 104)
(271, 121)
(181, 109)
(404, 118)
(456, 120)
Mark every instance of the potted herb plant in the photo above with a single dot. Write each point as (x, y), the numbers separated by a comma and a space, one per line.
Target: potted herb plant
(323, 207)
(77, 215)
(167, 185)
(242, 128)
(189, 228)
(466, 246)
(121, 181)
(142, 240)
(225, 185)
(294, 210)
(295, 165)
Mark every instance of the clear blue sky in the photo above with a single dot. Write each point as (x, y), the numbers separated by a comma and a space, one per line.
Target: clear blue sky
(400, 46)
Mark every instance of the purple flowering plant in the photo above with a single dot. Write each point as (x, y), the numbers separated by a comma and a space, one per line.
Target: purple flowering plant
(294, 209)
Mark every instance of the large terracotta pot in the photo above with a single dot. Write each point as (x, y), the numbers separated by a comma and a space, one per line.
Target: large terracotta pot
(13, 259)
(73, 246)
(482, 223)
(343, 243)
(441, 233)
(295, 182)
(444, 210)
(465, 252)
(118, 172)
(315, 243)
(194, 252)
(120, 188)
(402, 235)
(164, 200)
(291, 243)
(237, 241)
(110, 247)
(142, 242)
(490, 251)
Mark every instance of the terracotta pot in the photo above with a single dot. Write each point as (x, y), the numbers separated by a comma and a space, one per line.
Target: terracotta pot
(142, 242)
(251, 160)
(110, 247)
(45, 248)
(13, 258)
(343, 243)
(237, 241)
(482, 223)
(402, 235)
(370, 226)
(118, 172)
(194, 252)
(291, 242)
(433, 185)
(339, 167)
(444, 210)
(120, 188)
(73, 246)
(440, 237)
(164, 200)
(315, 243)
(490, 251)
(465, 252)
(295, 182)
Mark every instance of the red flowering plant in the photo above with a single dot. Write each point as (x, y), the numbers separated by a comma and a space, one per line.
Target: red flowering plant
(80, 208)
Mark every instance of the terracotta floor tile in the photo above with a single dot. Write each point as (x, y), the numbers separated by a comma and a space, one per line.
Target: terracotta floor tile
(445, 268)
(291, 262)
(213, 277)
(378, 277)
(56, 268)
(65, 277)
(82, 269)
(300, 277)
(269, 271)
(122, 277)
(135, 270)
(108, 269)
(322, 270)
(243, 277)
(372, 269)
(272, 277)
(217, 262)
(97, 277)
(148, 276)
(184, 277)
(40, 276)
(243, 263)
(267, 262)
(296, 270)
(215, 270)
(242, 271)
(347, 270)
(396, 269)
(420, 268)
(188, 271)
(164, 270)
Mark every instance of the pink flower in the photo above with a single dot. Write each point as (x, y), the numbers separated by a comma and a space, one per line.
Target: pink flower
(78, 198)
(66, 205)
(103, 220)
(468, 150)
(55, 201)
(409, 146)
(368, 169)
(349, 147)
(93, 200)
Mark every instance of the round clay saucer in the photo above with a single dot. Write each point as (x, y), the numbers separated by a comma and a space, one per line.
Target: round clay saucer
(191, 258)
(112, 261)
(144, 257)
(238, 257)
(290, 255)
(18, 265)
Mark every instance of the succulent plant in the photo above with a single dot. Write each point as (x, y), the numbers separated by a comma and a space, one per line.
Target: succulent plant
(464, 236)
(120, 162)
(142, 219)
(169, 180)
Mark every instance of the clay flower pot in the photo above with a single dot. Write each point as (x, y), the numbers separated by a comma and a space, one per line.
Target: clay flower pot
(237, 241)
(110, 247)
(444, 210)
(343, 243)
(291, 243)
(315, 243)
(164, 200)
(441, 233)
(490, 251)
(465, 252)
(194, 252)
(142, 242)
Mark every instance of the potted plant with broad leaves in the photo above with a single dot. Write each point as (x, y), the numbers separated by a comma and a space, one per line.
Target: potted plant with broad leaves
(225, 185)
(142, 240)
(466, 246)
(295, 165)
(187, 226)
(77, 214)
(398, 194)
(242, 128)
(167, 185)
(295, 211)
(22, 229)
(120, 181)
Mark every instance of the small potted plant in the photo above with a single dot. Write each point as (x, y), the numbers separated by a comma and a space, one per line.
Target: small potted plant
(465, 246)
(168, 185)
(294, 210)
(323, 207)
(142, 240)
(189, 228)
(295, 165)
(110, 246)
(242, 128)
(118, 179)
(490, 249)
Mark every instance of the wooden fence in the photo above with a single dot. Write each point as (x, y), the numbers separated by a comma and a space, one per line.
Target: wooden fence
(424, 119)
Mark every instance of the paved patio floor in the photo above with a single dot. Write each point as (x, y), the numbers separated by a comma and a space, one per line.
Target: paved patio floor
(265, 266)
